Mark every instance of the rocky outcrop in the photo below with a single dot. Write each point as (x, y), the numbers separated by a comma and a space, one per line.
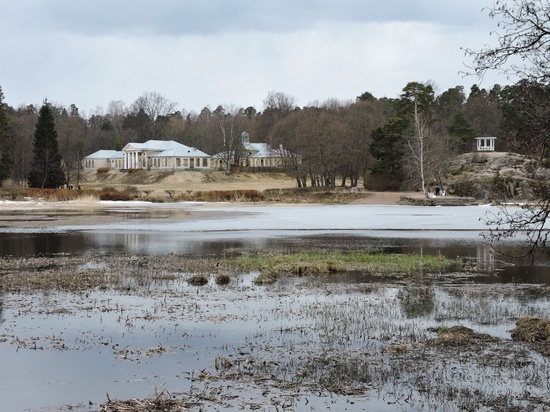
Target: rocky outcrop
(494, 175)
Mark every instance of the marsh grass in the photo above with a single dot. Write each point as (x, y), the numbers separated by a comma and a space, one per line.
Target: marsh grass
(532, 330)
(81, 274)
(50, 279)
(321, 263)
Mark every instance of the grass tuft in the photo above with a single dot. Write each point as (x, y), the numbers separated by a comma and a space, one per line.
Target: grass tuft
(198, 280)
(222, 279)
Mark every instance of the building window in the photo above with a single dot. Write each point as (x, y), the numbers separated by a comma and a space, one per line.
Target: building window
(205, 162)
(178, 162)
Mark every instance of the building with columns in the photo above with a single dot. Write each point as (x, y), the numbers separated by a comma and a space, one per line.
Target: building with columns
(151, 155)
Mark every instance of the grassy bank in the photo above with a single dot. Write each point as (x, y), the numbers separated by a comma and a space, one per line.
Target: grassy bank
(322, 263)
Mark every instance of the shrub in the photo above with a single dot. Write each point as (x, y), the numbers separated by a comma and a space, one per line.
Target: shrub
(102, 170)
(198, 280)
(228, 195)
(381, 183)
(114, 195)
(59, 195)
(131, 191)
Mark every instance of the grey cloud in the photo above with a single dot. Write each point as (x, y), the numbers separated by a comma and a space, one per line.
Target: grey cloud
(203, 17)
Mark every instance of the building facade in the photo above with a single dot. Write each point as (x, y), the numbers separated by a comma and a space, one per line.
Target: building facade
(151, 155)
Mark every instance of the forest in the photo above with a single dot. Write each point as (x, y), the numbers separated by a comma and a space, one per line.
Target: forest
(391, 144)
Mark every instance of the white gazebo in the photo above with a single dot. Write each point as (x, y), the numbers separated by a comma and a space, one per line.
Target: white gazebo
(485, 143)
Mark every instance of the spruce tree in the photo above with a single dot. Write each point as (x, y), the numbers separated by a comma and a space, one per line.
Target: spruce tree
(46, 169)
(6, 162)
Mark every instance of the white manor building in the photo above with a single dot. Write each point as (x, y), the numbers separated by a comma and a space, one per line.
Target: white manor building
(171, 155)
(255, 155)
(153, 154)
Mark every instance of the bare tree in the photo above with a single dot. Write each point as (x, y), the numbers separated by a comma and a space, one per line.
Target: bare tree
(23, 121)
(116, 111)
(530, 220)
(157, 110)
(523, 37)
(523, 51)
(231, 124)
(417, 141)
(277, 105)
(71, 134)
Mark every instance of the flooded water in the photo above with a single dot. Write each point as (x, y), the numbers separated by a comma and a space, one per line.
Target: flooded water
(346, 342)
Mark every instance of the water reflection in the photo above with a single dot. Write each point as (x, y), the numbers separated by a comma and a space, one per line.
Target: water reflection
(37, 244)
(416, 301)
(479, 256)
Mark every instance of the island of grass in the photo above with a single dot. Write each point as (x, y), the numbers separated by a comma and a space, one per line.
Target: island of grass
(271, 267)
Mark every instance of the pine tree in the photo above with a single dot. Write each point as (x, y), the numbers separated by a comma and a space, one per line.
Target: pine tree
(6, 162)
(46, 169)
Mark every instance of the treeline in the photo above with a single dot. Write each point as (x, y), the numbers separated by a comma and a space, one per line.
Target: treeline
(393, 143)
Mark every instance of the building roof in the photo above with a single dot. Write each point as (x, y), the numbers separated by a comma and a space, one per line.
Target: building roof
(256, 150)
(166, 148)
(184, 151)
(261, 150)
(106, 154)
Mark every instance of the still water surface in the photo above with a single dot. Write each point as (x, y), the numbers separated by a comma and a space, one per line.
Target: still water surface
(97, 343)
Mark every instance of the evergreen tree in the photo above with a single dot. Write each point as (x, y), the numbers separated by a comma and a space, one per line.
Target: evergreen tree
(6, 162)
(462, 132)
(46, 169)
(387, 147)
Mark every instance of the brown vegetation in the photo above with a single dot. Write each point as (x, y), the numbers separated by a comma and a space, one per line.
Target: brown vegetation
(532, 330)
(457, 336)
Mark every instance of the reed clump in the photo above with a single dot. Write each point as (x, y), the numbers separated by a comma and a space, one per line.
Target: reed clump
(223, 279)
(532, 330)
(458, 335)
(198, 280)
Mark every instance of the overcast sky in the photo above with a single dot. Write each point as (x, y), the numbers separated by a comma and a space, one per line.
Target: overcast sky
(233, 52)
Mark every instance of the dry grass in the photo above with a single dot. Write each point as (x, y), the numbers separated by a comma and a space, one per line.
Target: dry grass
(532, 330)
(57, 195)
(160, 402)
(458, 336)
(222, 196)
